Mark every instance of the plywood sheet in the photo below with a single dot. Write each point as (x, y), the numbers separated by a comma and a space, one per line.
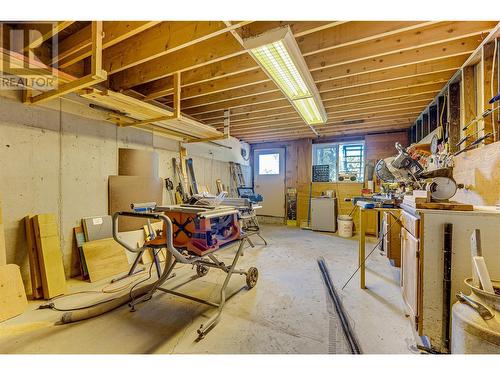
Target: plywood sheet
(133, 162)
(12, 295)
(124, 190)
(80, 240)
(49, 255)
(36, 277)
(97, 227)
(104, 258)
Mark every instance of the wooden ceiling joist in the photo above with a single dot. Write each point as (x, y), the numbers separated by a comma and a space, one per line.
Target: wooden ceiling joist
(371, 75)
(408, 116)
(209, 51)
(77, 46)
(267, 109)
(333, 112)
(52, 30)
(445, 32)
(164, 39)
(461, 48)
(332, 132)
(226, 98)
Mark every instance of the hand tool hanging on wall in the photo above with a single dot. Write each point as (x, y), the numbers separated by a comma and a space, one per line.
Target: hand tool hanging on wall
(191, 175)
(485, 113)
(180, 176)
(170, 188)
(477, 141)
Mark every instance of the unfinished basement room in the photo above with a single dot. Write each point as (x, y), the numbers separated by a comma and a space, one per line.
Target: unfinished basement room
(249, 187)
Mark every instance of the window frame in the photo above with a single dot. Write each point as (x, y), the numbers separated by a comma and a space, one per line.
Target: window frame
(337, 147)
(259, 164)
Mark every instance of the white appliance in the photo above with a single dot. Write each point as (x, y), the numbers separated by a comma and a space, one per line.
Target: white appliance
(323, 214)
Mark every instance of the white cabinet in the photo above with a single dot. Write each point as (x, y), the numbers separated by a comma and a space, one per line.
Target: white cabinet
(323, 214)
(422, 262)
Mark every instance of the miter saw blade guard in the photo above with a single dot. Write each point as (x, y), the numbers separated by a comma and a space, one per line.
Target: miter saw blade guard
(442, 188)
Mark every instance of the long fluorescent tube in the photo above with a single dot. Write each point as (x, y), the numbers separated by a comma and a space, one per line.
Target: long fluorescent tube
(277, 52)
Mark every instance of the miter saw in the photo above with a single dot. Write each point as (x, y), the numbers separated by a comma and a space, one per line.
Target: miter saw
(401, 174)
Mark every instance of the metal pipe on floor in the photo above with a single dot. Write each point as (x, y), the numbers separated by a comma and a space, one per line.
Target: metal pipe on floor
(344, 320)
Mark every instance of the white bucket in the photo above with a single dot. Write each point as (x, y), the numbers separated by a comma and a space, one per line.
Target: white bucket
(345, 225)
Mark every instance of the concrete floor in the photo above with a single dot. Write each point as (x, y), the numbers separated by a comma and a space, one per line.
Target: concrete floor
(287, 312)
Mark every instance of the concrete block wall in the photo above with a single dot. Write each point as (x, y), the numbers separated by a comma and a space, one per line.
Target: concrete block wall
(54, 160)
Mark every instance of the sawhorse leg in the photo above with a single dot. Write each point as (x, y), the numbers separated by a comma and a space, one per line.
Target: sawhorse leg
(204, 328)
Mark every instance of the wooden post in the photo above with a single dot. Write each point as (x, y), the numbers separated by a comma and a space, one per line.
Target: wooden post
(177, 94)
(454, 116)
(96, 48)
(361, 252)
(487, 67)
(227, 123)
(469, 103)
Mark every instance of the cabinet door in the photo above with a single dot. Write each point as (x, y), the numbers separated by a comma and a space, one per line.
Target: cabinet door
(410, 278)
(371, 222)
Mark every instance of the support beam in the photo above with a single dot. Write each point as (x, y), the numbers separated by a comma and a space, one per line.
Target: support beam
(177, 95)
(490, 89)
(469, 101)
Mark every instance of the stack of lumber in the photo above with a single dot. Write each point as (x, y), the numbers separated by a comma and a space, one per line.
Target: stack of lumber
(422, 203)
(183, 126)
(48, 279)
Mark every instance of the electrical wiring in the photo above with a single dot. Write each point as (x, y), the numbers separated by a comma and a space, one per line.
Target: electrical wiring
(146, 279)
(51, 305)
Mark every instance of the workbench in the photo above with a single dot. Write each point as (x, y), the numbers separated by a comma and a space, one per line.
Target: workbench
(362, 238)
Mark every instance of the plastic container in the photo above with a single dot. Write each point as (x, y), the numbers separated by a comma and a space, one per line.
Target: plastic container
(345, 224)
(470, 333)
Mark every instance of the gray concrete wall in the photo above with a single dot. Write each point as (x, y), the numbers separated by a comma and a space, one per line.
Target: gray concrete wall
(53, 160)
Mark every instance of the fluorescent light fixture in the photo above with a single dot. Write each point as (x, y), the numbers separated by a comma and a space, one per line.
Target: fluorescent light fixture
(277, 52)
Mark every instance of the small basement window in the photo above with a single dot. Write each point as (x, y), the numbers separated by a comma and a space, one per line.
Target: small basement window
(269, 164)
(346, 160)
